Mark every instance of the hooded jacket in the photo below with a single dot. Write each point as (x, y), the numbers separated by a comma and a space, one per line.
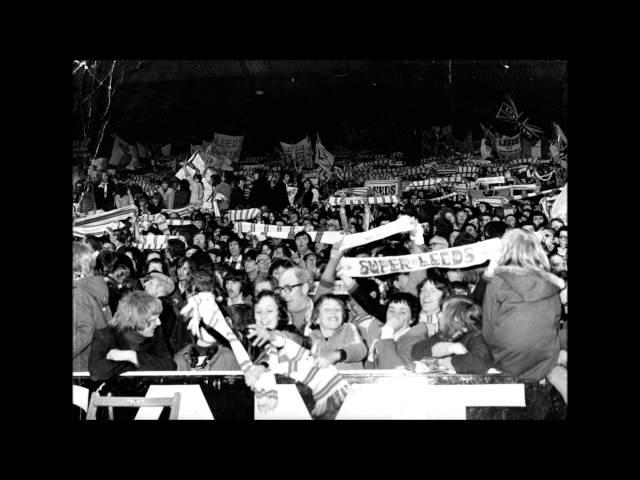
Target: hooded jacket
(90, 313)
(521, 321)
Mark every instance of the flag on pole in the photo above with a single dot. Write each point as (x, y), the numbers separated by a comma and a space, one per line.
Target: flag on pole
(509, 113)
(560, 136)
(487, 133)
(323, 157)
(134, 164)
(119, 152)
(485, 150)
(559, 208)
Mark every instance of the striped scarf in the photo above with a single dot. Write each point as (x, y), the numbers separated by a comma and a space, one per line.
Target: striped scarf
(291, 360)
(178, 222)
(497, 171)
(428, 183)
(148, 188)
(354, 191)
(105, 218)
(181, 212)
(553, 191)
(158, 219)
(286, 232)
(377, 200)
(246, 214)
(98, 223)
(468, 171)
(401, 225)
(98, 230)
(430, 319)
(153, 242)
(449, 195)
(493, 201)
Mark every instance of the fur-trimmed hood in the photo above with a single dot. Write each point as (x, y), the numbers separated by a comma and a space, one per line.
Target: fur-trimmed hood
(531, 286)
(94, 286)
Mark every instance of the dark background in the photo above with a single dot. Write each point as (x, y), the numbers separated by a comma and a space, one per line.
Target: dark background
(382, 101)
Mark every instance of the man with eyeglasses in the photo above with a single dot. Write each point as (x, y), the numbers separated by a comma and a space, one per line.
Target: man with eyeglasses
(563, 241)
(293, 287)
(263, 263)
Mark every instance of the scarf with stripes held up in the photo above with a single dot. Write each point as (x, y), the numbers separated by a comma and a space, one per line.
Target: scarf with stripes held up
(291, 359)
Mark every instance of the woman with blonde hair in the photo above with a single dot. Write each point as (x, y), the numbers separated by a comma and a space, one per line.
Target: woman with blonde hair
(131, 340)
(521, 313)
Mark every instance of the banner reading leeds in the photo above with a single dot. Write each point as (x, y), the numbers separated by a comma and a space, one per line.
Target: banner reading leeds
(228, 146)
(455, 257)
(300, 152)
(509, 147)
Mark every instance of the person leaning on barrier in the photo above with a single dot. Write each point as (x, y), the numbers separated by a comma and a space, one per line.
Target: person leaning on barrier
(458, 344)
(91, 310)
(400, 332)
(208, 349)
(521, 310)
(131, 341)
(334, 341)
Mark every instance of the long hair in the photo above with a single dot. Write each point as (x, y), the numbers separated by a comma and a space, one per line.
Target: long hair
(460, 314)
(283, 315)
(83, 261)
(134, 311)
(523, 249)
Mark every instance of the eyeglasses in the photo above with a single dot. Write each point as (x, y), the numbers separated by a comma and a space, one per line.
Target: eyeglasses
(565, 237)
(431, 245)
(263, 261)
(287, 288)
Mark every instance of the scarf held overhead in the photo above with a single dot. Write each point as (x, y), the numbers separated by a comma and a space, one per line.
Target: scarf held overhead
(455, 257)
(402, 224)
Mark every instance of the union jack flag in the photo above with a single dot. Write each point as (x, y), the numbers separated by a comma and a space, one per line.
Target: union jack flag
(509, 113)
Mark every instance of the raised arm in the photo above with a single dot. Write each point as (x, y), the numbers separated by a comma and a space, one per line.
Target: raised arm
(329, 274)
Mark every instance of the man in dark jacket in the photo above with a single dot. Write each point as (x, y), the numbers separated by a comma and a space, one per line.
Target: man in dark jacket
(103, 192)
(182, 196)
(260, 191)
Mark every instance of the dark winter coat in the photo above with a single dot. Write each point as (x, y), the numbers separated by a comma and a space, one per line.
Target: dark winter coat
(152, 353)
(90, 313)
(521, 320)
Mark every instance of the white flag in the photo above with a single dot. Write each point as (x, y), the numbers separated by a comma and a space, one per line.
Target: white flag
(227, 146)
(119, 151)
(323, 157)
(485, 151)
(559, 208)
(560, 136)
(301, 152)
(166, 150)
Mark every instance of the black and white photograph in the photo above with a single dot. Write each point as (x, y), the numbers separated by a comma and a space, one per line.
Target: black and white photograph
(320, 239)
